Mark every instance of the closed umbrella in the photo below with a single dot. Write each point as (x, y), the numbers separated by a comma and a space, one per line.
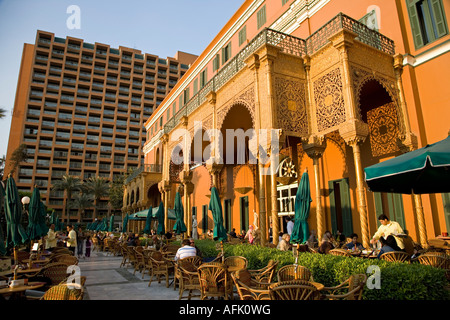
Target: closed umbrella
(148, 221)
(425, 170)
(300, 232)
(34, 216)
(2, 237)
(124, 223)
(160, 215)
(111, 224)
(42, 217)
(219, 231)
(180, 226)
(16, 234)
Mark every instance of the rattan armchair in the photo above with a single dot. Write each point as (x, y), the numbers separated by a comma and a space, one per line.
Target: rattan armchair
(236, 262)
(294, 272)
(214, 281)
(248, 288)
(435, 259)
(125, 258)
(65, 258)
(140, 261)
(64, 291)
(160, 267)
(293, 290)
(350, 289)
(194, 260)
(340, 252)
(188, 279)
(266, 273)
(53, 274)
(395, 256)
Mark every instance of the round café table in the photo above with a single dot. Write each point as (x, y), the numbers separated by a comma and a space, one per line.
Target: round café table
(18, 291)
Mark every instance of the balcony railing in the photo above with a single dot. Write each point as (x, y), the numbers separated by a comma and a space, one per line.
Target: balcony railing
(152, 168)
(289, 45)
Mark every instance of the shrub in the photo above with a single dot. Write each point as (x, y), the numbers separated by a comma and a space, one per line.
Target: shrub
(399, 281)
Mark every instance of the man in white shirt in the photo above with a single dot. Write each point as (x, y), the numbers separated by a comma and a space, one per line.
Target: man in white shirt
(289, 225)
(387, 228)
(186, 250)
(72, 239)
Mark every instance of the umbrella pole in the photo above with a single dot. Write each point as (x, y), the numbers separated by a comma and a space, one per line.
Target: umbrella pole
(221, 248)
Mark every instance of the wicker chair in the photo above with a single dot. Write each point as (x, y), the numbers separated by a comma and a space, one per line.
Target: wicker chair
(194, 260)
(22, 255)
(437, 260)
(293, 290)
(109, 246)
(237, 262)
(294, 272)
(170, 248)
(53, 274)
(248, 288)
(266, 273)
(312, 250)
(65, 258)
(64, 291)
(125, 257)
(160, 267)
(395, 256)
(188, 279)
(214, 281)
(131, 255)
(350, 289)
(140, 261)
(340, 252)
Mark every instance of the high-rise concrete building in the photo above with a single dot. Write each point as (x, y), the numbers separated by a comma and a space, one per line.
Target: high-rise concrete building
(80, 109)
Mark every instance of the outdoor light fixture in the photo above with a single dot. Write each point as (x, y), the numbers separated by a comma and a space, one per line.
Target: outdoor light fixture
(25, 200)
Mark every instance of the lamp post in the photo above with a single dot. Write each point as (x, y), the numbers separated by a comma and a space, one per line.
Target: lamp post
(25, 202)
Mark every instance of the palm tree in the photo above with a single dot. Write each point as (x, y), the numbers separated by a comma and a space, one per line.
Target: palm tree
(68, 184)
(2, 113)
(82, 201)
(98, 188)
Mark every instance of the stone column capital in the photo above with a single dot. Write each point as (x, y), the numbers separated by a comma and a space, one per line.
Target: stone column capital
(211, 97)
(314, 146)
(354, 132)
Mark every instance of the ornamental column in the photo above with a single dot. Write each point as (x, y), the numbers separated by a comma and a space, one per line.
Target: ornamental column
(315, 149)
(409, 143)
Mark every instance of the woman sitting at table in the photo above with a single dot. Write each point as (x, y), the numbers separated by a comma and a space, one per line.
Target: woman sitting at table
(387, 245)
(283, 245)
(354, 245)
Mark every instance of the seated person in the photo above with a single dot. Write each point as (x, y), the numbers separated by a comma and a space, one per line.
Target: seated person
(233, 233)
(187, 250)
(388, 245)
(131, 240)
(325, 247)
(283, 245)
(354, 245)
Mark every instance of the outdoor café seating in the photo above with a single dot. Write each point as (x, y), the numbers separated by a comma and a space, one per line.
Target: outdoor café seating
(214, 281)
(350, 289)
(188, 277)
(249, 288)
(235, 263)
(395, 256)
(294, 290)
(160, 267)
(187, 262)
(64, 291)
(294, 272)
(266, 273)
(339, 252)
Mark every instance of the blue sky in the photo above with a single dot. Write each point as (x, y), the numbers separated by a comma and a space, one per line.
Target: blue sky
(157, 27)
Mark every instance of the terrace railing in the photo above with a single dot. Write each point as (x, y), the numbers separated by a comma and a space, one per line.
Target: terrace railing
(152, 168)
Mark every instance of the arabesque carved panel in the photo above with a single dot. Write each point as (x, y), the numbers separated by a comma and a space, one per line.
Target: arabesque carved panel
(291, 105)
(330, 108)
(384, 132)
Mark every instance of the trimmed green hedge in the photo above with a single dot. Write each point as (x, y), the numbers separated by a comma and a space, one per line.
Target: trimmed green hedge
(399, 281)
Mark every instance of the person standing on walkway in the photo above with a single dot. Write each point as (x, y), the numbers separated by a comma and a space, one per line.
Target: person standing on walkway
(50, 242)
(80, 241)
(387, 228)
(72, 239)
(87, 254)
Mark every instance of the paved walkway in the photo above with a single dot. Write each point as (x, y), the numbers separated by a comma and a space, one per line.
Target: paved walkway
(106, 280)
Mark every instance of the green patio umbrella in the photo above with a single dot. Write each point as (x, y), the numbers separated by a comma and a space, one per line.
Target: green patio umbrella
(180, 226)
(42, 219)
(124, 223)
(111, 224)
(160, 216)
(148, 221)
(425, 170)
(55, 220)
(104, 226)
(302, 204)
(34, 216)
(16, 234)
(219, 231)
(2, 237)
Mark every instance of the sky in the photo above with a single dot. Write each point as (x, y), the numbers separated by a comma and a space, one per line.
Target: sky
(158, 27)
